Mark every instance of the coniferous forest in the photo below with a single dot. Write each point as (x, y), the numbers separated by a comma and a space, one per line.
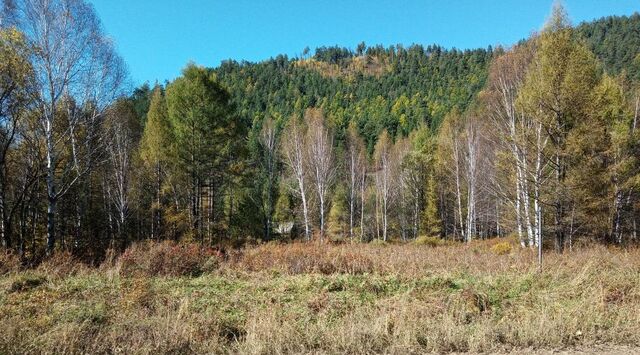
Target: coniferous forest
(326, 163)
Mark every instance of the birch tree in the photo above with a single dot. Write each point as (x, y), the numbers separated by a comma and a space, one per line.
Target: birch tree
(383, 178)
(356, 165)
(471, 158)
(293, 149)
(269, 164)
(78, 74)
(321, 160)
(556, 94)
(123, 135)
(513, 129)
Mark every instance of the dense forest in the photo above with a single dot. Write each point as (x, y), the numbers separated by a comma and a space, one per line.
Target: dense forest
(538, 141)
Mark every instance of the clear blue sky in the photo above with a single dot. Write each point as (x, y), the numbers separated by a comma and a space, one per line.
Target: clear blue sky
(158, 37)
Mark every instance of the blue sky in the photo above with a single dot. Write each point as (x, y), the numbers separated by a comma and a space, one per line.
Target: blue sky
(158, 37)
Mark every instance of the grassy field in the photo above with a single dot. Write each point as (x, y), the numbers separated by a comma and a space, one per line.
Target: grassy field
(308, 298)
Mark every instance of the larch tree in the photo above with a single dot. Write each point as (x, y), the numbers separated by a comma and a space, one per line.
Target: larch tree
(597, 146)
(431, 222)
(206, 132)
(16, 97)
(156, 148)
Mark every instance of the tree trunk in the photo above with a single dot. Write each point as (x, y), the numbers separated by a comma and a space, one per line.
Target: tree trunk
(362, 186)
(51, 213)
(559, 205)
(305, 213)
(5, 228)
(321, 217)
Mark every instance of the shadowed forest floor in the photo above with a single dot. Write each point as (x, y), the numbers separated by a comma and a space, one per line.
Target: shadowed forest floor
(311, 298)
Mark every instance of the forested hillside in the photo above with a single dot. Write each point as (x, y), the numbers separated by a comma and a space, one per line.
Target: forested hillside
(378, 88)
(395, 88)
(615, 40)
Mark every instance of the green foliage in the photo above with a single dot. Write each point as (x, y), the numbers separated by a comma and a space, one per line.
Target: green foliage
(432, 225)
(209, 147)
(157, 139)
(141, 99)
(502, 248)
(27, 281)
(202, 120)
(284, 212)
(339, 214)
(615, 41)
(430, 241)
(396, 88)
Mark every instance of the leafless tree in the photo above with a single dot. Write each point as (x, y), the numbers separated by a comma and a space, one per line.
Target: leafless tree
(514, 133)
(293, 149)
(356, 172)
(321, 160)
(405, 185)
(121, 140)
(269, 144)
(384, 178)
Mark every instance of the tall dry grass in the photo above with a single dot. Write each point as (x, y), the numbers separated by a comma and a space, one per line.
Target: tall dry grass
(309, 298)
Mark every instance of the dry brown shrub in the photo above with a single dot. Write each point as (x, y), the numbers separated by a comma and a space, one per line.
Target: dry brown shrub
(9, 262)
(476, 258)
(167, 258)
(136, 294)
(62, 264)
(301, 258)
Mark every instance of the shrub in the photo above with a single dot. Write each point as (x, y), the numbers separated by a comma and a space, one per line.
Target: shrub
(137, 293)
(377, 241)
(61, 264)
(168, 259)
(26, 282)
(345, 262)
(429, 241)
(9, 262)
(502, 248)
(300, 258)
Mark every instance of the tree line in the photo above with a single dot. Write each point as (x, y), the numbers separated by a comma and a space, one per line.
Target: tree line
(537, 141)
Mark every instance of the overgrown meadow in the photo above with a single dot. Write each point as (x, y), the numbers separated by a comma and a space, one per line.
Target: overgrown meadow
(486, 296)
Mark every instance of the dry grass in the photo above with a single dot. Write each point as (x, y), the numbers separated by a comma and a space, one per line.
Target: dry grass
(308, 298)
